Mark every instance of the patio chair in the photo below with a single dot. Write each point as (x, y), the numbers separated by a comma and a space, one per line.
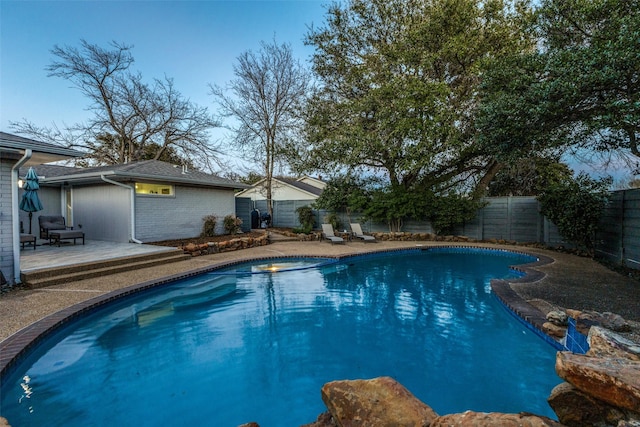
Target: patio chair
(327, 232)
(26, 237)
(356, 229)
(53, 227)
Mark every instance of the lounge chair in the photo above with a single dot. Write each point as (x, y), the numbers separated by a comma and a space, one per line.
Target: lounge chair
(53, 227)
(51, 223)
(356, 229)
(327, 231)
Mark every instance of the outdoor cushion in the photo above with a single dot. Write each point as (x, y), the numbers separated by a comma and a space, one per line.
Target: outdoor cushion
(49, 223)
(58, 235)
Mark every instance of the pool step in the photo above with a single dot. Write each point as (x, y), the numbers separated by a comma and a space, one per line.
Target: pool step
(70, 273)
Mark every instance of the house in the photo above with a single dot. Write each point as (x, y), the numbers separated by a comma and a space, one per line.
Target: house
(139, 202)
(287, 194)
(17, 152)
(305, 188)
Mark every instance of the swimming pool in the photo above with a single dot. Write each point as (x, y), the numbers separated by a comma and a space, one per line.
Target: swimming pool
(255, 342)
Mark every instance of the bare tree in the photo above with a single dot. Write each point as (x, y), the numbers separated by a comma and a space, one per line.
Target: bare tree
(265, 100)
(132, 120)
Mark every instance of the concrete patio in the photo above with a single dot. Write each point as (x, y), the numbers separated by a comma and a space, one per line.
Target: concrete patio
(47, 256)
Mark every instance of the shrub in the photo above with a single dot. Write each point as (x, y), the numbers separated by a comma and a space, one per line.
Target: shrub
(307, 218)
(209, 227)
(575, 207)
(231, 224)
(334, 220)
(451, 210)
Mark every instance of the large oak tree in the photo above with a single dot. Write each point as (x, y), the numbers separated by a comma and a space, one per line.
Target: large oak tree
(399, 88)
(580, 89)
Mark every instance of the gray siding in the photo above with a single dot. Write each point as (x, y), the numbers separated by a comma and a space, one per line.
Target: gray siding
(103, 212)
(180, 217)
(6, 221)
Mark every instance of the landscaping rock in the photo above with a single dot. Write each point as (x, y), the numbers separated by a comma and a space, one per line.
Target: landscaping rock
(577, 409)
(606, 343)
(377, 402)
(554, 330)
(494, 419)
(558, 317)
(586, 319)
(573, 313)
(225, 245)
(615, 381)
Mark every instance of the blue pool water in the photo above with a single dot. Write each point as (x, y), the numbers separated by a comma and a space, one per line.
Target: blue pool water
(225, 349)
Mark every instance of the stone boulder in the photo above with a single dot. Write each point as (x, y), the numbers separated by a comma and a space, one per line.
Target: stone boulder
(615, 381)
(558, 317)
(493, 419)
(554, 330)
(377, 402)
(577, 409)
(606, 343)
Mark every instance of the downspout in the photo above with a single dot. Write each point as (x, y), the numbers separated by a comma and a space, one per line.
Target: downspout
(15, 214)
(133, 206)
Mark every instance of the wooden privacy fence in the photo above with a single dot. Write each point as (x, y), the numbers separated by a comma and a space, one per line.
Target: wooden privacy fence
(618, 237)
(515, 219)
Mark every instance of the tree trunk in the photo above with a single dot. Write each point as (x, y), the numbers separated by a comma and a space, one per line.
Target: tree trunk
(483, 185)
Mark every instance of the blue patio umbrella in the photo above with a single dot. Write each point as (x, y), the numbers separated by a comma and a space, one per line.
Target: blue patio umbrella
(30, 201)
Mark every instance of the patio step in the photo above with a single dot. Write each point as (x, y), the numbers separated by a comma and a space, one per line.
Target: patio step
(69, 273)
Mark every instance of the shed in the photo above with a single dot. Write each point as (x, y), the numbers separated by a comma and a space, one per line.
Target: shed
(304, 188)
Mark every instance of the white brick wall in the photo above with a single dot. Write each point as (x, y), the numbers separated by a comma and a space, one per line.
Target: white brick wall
(6, 223)
(180, 217)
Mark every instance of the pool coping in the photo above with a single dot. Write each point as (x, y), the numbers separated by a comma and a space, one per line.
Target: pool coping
(17, 345)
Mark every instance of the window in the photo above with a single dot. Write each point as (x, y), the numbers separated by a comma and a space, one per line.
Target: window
(154, 189)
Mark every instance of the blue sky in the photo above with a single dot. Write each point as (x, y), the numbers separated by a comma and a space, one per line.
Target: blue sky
(194, 42)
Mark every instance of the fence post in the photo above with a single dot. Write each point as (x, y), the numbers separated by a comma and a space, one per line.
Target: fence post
(622, 217)
(509, 217)
(481, 218)
(540, 232)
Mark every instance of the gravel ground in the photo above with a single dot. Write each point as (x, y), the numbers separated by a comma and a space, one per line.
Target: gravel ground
(584, 284)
